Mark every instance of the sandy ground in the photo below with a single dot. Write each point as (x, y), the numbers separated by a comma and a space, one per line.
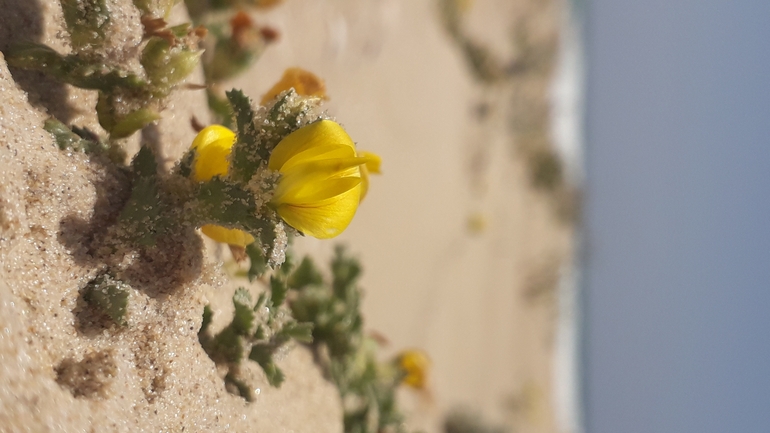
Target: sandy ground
(462, 256)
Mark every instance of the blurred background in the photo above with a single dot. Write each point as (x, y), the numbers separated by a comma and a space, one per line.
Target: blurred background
(571, 219)
(467, 237)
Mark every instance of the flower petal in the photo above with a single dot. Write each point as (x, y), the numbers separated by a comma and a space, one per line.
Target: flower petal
(373, 161)
(323, 132)
(227, 236)
(305, 83)
(325, 221)
(318, 153)
(314, 192)
(212, 148)
(372, 165)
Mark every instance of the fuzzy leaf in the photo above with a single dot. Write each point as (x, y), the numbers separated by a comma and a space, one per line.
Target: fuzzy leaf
(72, 69)
(278, 290)
(227, 204)
(67, 139)
(306, 274)
(244, 314)
(109, 296)
(243, 389)
(263, 355)
(302, 332)
(258, 265)
(222, 110)
(167, 65)
(143, 212)
(246, 157)
(86, 21)
(133, 122)
(154, 8)
(345, 272)
(208, 314)
(227, 346)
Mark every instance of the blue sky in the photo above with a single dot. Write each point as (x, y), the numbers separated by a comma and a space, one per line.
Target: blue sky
(676, 305)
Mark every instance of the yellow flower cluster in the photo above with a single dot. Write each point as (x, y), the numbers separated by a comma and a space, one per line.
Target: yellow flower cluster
(303, 82)
(322, 180)
(415, 366)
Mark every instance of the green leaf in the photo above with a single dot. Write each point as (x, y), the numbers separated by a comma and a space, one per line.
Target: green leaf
(278, 290)
(144, 164)
(66, 138)
(143, 212)
(185, 164)
(258, 265)
(243, 389)
(263, 355)
(345, 273)
(260, 333)
(221, 110)
(302, 332)
(73, 69)
(305, 275)
(232, 56)
(246, 156)
(86, 21)
(243, 318)
(208, 314)
(109, 296)
(133, 122)
(227, 346)
(226, 203)
(167, 65)
(154, 8)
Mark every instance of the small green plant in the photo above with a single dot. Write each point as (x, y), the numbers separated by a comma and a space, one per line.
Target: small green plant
(348, 357)
(129, 99)
(257, 332)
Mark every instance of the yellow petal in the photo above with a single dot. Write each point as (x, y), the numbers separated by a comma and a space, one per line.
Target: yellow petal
(227, 236)
(318, 153)
(321, 133)
(372, 165)
(325, 221)
(315, 192)
(373, 161)
(212, 148)
(303, 82)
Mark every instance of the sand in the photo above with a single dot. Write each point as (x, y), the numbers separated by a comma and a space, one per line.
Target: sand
(462, 255)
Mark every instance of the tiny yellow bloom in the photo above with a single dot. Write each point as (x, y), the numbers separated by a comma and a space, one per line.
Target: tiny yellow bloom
(321, 182)
(212, 148)
(305, 83)
(416, 366)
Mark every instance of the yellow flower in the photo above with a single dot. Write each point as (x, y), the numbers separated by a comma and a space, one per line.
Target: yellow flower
(321, 182)
(415, 365)
(305, 83)
(212, 149)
